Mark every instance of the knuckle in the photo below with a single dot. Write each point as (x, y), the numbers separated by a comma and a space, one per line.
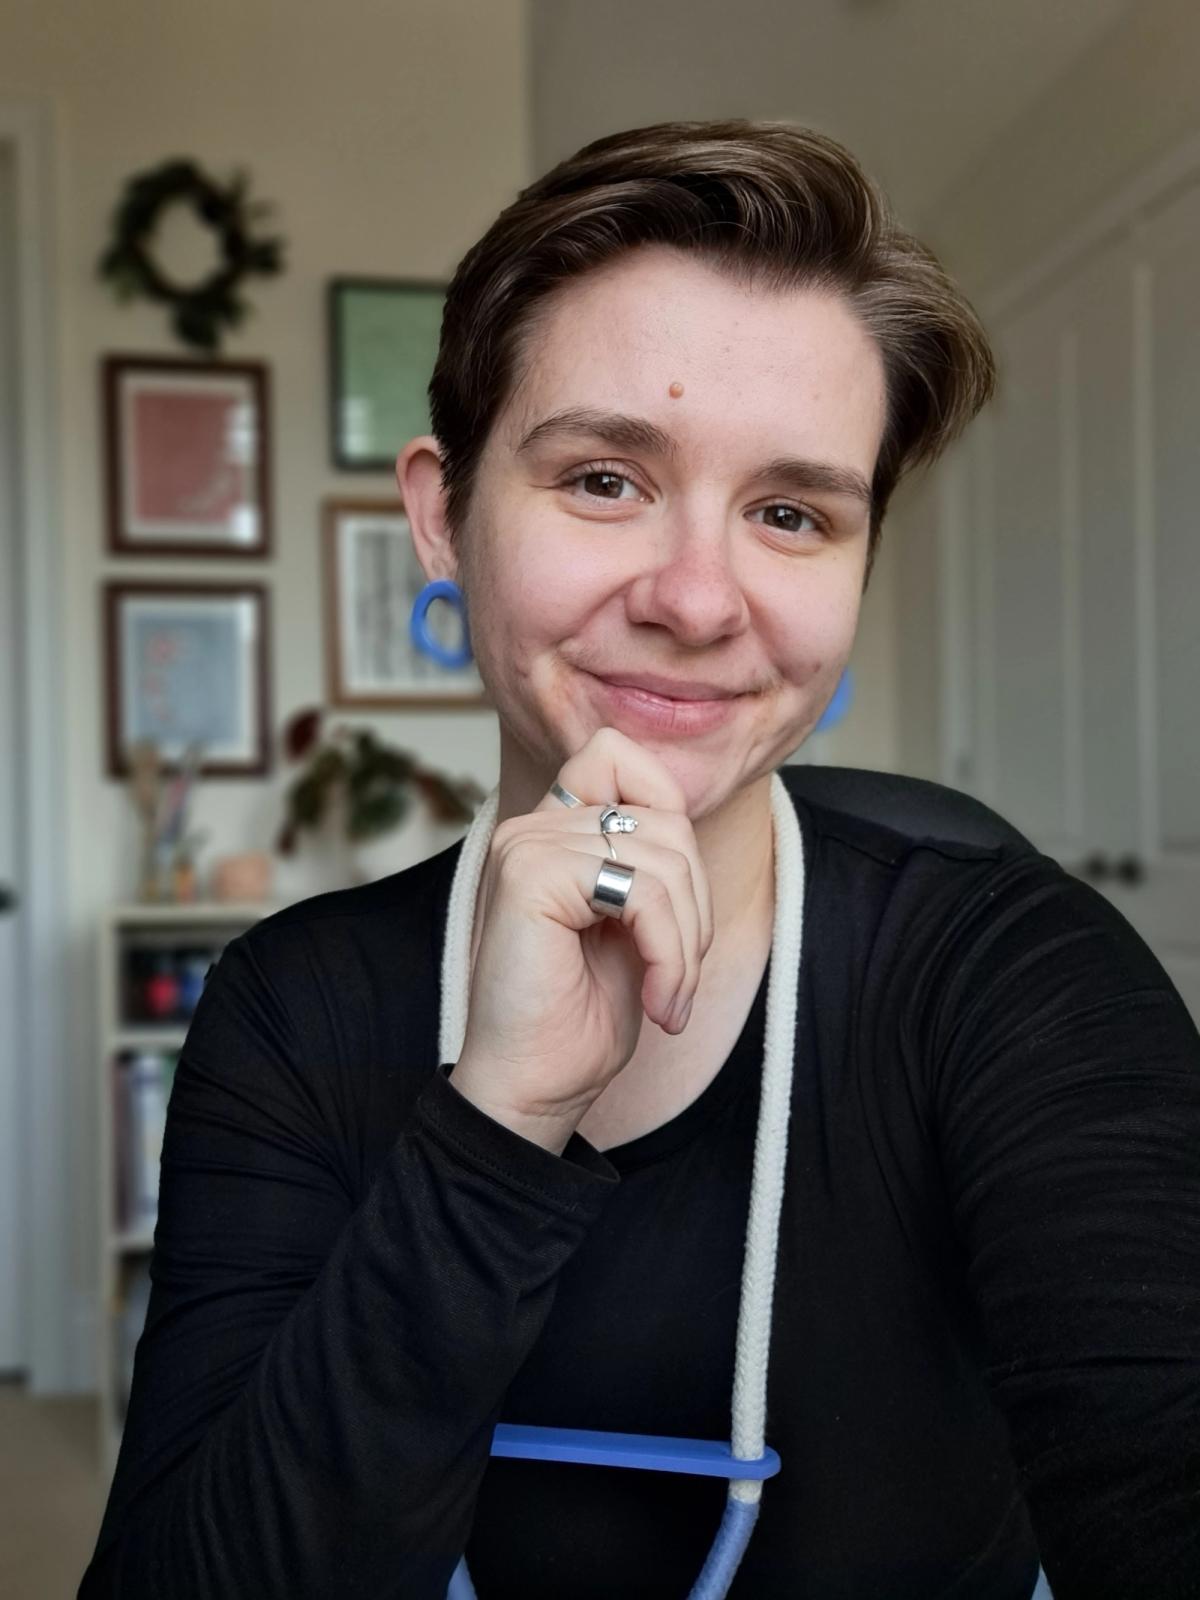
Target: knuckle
(677, 862)
(519, 856)
(504, 833)
(657, 891)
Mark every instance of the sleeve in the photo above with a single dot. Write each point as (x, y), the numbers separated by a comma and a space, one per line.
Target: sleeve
(317, 1383)
(1068, 1106)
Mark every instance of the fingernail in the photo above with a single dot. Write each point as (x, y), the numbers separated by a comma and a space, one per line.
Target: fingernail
(684, 1015)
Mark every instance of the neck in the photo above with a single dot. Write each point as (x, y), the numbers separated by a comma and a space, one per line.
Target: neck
(735, 844)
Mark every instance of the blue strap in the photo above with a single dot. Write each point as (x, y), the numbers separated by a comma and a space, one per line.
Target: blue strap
(710, 1458)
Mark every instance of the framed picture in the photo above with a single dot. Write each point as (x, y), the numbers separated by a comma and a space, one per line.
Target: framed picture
(187, 457)
(188, 662)
(383, 343)
(372, 577)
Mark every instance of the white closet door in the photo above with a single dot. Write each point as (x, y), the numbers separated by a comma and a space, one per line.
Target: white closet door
(1083, 578)
(1100, 557)
(1165, 905)
(1023, 632)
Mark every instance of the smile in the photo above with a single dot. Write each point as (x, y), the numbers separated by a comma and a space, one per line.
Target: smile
(633, 707)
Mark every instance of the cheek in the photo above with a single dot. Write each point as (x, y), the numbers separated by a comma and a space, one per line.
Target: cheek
(518, 608)
(810, 644)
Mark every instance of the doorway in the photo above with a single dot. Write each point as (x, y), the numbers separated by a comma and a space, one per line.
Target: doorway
(39, 1324)
(13, 1296)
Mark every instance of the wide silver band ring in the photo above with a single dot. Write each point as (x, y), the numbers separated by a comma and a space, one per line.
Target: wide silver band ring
(565, 795)
(612, 821)
(613, 883)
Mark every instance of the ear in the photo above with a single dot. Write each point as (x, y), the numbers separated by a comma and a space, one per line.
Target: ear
(419, 479)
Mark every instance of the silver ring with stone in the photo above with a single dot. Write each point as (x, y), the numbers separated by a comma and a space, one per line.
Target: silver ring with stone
(613, 884)
(565, 795)
(614, 821)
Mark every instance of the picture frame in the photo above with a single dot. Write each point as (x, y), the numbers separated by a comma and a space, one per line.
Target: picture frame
(185, 662)
(383, 343)
(371, 578)
(187, 457)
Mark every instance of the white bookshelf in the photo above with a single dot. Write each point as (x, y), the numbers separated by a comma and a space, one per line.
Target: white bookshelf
(125, 1251)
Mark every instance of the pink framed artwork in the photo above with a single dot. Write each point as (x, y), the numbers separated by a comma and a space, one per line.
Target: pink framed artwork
(187, 458)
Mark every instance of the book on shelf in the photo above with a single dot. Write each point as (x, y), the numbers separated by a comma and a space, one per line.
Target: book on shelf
(142, 1088)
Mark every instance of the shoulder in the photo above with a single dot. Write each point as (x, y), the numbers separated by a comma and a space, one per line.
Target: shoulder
(927, 882)
(886, 815)
(332, 962)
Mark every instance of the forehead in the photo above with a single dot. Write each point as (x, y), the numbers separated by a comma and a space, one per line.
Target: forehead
(795, 366)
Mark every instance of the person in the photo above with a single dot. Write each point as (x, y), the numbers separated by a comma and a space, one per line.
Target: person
(481, 1145)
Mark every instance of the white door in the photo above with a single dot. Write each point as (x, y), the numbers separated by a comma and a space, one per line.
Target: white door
(1085, 541)
(12, 1302)
(1165, 908)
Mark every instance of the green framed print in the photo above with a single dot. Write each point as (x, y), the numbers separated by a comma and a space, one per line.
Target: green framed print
(383, 340)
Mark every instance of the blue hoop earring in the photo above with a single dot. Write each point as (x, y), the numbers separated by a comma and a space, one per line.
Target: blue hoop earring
(440, 589)
(838, 705)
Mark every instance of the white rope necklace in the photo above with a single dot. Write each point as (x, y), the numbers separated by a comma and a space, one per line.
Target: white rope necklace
(770, 1149)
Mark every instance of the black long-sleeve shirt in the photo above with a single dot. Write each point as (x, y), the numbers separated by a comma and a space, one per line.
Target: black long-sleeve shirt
(986, 1336)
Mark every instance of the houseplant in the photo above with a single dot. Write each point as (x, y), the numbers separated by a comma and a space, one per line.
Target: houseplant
(356, 790)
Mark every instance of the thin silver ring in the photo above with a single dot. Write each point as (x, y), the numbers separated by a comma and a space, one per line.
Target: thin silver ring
(613, 884)
(613, 821)
(565, 795)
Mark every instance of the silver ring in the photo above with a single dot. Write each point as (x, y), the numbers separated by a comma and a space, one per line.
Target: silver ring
(565, 795)
(614, 821)
(613, 884)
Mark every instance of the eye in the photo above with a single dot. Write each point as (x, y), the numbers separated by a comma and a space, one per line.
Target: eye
(601, 480)
(793, 512)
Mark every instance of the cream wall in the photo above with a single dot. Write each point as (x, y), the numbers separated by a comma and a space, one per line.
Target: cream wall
(388, 133)
(1129, 98)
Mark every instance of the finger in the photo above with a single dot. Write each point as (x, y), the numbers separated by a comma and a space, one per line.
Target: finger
(674, 869)
(653, 846)
(673, 831)
(670, 826)
(611, 768)
(564, 892)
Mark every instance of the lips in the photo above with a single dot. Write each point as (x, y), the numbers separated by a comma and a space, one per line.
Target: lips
(668, 688)
(640, 709)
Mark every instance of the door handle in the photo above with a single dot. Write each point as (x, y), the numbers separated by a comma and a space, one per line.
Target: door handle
(1097, 868)
(1130, 869)
(1094, 868)
(8, 898)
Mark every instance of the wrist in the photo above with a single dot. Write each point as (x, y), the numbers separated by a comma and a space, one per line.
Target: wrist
(550, 1128)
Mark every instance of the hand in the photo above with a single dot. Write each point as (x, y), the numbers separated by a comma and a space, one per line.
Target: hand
(559, 992)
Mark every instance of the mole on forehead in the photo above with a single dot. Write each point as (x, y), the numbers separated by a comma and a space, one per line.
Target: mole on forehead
(675, 390)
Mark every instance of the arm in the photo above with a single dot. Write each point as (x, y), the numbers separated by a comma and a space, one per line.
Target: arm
(315, 1390)
(1067, 1097)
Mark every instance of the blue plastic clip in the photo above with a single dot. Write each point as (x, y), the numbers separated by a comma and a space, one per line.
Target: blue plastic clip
(709, 1458)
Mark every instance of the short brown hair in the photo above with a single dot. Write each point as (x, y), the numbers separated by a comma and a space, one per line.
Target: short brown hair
(769, 203)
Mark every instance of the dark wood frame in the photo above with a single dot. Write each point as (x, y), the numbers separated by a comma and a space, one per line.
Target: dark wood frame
(336, 691)
(113, 593)
(114, 367)
(341, 460)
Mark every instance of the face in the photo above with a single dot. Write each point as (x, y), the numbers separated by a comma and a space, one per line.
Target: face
(686, 561)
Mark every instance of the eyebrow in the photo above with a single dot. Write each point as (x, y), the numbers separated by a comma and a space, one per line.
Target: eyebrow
(636, 433)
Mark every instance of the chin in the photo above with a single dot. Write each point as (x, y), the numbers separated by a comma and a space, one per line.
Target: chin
(703, 777)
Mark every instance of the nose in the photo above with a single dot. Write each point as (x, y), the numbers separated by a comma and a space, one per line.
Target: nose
(691, 588)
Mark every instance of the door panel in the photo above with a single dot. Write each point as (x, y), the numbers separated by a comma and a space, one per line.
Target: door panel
(1026, 600)
(1082, 588)
(12, 1303)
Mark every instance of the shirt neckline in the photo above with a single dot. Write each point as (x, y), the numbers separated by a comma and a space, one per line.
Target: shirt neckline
(741, 1067)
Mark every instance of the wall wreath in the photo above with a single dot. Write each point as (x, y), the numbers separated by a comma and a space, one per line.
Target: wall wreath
(200, 311)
